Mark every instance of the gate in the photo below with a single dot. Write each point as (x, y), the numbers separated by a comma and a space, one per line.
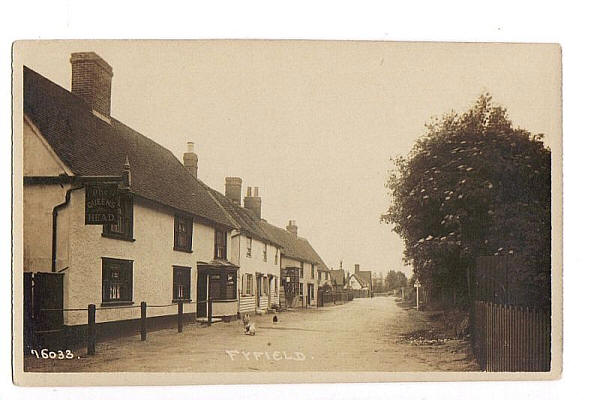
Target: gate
(42, 307)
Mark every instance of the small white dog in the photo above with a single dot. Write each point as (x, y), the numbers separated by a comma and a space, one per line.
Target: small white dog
(249, 328)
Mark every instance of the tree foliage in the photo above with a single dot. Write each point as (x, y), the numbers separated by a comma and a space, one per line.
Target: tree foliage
(473, 185)
(395, 280)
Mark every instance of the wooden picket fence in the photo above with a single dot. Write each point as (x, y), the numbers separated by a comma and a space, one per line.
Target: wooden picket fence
(510, 338)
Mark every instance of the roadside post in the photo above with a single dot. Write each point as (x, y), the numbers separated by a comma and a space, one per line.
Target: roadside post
(91, 330)
(179, 316)
(417, 285)
(143, 320)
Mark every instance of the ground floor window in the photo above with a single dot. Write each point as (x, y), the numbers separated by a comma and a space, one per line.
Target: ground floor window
(248, 284)
(181, 283)
(117, 280)
(223, 285)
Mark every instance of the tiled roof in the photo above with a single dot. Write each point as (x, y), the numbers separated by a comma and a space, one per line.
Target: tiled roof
(364, 277)
(90, 146)
(337, 276)
(245, 219)
(294, 247)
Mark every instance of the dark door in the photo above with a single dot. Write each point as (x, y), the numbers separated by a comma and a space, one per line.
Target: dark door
(258, 289)
(202, 290)
(47, 301)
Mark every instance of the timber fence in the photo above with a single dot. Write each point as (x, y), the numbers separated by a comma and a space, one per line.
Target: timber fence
(510, 338)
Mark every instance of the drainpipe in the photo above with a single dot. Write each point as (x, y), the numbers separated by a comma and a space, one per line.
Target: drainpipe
(55, 211)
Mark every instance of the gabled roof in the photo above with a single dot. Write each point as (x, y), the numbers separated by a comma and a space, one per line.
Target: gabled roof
(248, 223)
(295, 247)
(360, 280)
(364, 277)
(89, 146)
(337, 277)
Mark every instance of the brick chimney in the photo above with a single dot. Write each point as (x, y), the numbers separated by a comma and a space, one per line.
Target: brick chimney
(190, 160)
(253, 202)
(233, 189)
(356, 268)
(91, 80)
(292, 227)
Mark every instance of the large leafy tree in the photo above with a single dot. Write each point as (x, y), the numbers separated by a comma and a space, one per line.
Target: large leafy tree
(395, 280)
(473, 185)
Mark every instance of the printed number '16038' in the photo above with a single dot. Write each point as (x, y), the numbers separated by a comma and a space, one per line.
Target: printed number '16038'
(59, 355)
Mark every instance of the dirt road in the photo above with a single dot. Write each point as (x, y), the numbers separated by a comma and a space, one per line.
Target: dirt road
(374, 334)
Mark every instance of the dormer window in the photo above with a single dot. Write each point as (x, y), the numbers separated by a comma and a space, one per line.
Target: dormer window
(183, 233)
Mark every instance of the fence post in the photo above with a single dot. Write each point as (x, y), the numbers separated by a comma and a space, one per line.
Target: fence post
(91, 330)
(143, 320)
(209, 312)
(179, 316)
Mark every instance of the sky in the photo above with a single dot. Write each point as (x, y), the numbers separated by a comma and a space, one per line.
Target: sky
(313, 124)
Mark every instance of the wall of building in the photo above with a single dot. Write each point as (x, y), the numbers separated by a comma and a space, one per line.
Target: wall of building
(305, 278)
(354, 283)
(38, 203)
(38, 158)
(153, 260)
(251, 265)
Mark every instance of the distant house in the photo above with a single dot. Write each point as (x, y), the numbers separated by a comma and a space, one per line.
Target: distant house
(299, 263)
(361, 282)
(338, 279)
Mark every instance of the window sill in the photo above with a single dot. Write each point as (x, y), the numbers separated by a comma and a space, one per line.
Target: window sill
(183, 250)
(117, 237)
(175, 301)
(115, 303)
(223, 300)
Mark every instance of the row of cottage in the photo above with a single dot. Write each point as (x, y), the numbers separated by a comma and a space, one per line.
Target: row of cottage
(174, 239)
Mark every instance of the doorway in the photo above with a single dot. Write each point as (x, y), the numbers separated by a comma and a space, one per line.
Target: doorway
(202, 290)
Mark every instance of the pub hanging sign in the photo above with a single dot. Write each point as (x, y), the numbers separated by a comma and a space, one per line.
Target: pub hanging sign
(101, 203)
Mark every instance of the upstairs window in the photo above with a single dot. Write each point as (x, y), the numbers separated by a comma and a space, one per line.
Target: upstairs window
(181, 283)
(312, 271)
(265, 253)
(183, 233)
(301, 269)
(276, 258)
(117, 280)
(248, 246)
(123, 227)
(220, 245)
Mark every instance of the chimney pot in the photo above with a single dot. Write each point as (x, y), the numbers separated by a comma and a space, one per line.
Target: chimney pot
(253, 203)
(190, 160)
(91, 80)
(292, 227)
(356, 268)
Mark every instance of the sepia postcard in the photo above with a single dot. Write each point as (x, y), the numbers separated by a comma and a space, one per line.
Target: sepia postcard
(279, 211)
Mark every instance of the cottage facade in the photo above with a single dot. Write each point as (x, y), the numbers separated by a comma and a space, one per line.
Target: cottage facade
(171, 241)
(300, 265)
(252, 249)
